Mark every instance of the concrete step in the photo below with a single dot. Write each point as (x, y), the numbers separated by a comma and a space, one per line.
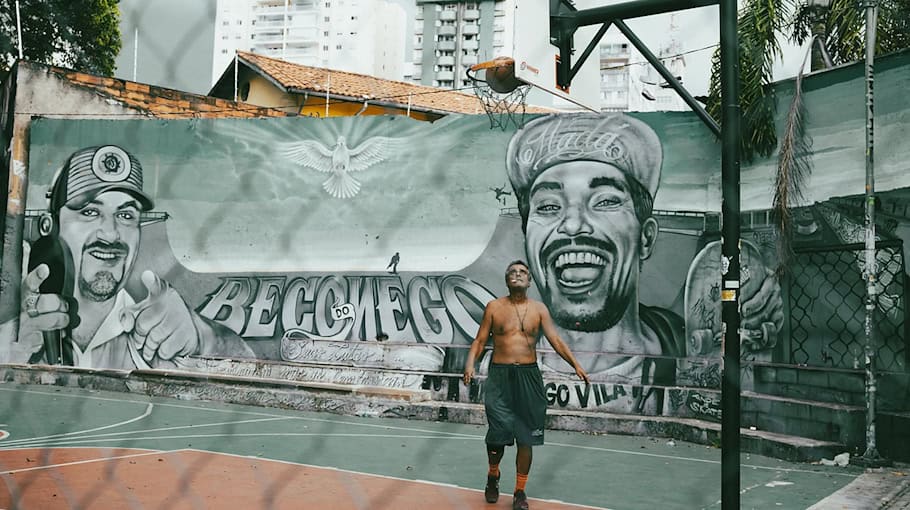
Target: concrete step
(825, 421)
(892, 435)
(812, 383)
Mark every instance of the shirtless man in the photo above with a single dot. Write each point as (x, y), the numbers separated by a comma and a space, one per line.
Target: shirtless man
(515, 401)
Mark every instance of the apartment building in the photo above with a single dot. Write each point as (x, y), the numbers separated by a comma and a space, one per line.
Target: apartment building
(360, 36)
(451, 36)
(629, 83)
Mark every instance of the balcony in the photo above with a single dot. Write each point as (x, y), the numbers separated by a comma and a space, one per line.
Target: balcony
(470, 30)
(447, 15)
(266, 39)
(445, 45)
(445, 75)
(308, 34)
(472, 45)
(260, 10)
(446, 61)
(446, 30)
(468, 60)
(471, 14)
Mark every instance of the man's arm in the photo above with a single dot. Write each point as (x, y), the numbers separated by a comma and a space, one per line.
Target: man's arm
(483, 334)
(549, 331)
(218, 340)
(163, 327)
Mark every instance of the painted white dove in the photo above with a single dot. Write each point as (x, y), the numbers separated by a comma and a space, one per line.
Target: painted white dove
(340, 161)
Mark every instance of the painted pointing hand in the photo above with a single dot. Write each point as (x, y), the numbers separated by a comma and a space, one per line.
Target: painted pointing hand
(160, 326)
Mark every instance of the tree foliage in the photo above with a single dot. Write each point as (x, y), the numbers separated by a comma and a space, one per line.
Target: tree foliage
(83, 35)
(762, 22)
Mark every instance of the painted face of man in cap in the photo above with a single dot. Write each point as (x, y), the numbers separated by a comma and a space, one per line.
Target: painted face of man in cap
(104, 236)
(588, 223)
(99, 221)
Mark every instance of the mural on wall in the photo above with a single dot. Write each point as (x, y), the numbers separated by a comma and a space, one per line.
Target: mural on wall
(76, 310)
(585, 186)
(342, 248)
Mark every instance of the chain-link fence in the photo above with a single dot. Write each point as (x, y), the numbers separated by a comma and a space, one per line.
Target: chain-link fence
(827, 294)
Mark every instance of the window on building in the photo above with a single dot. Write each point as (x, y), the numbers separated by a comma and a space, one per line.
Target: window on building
(327, 19)
(240, 22)
(325, 34)
(325, 47)
(337, 46)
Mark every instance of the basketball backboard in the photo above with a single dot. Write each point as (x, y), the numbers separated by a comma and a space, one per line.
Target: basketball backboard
(535, 58)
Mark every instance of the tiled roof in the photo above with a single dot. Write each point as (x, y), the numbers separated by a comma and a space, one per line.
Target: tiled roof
(161, 102)
(300, 78)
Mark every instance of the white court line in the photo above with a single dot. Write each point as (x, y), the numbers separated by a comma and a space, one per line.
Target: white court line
(78, 462)
(253, 413)
(454, 434)
(20, 442)
(387, 477)
(148, 411)
(251, 434)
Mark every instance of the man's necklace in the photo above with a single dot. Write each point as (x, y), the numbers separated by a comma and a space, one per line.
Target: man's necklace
(521, 318)
(521, 321)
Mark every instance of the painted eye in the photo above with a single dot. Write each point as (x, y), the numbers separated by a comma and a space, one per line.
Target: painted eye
(90, 212)
(548, 208)
(126, 215)
(609, 202)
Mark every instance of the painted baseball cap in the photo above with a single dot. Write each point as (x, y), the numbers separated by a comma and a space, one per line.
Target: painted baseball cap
(91, 171)
(614, 138)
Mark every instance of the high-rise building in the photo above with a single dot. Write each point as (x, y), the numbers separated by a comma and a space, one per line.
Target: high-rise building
(360, 36)
(629, 83)
(450, 36)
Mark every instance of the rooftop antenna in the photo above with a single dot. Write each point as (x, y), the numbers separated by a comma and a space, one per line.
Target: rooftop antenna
(235, 76)
(19, 29)
(135, 51)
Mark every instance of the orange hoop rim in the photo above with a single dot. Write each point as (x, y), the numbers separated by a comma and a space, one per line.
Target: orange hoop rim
(496, 62)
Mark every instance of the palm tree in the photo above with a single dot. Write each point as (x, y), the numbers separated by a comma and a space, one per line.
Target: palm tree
(761, 23)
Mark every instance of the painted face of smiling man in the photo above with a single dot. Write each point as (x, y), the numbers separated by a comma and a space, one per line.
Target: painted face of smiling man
(103, 236)
(585, 186)
(585, 243)
(98, 199)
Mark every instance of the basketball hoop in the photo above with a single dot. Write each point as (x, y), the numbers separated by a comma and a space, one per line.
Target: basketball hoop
(503, 96)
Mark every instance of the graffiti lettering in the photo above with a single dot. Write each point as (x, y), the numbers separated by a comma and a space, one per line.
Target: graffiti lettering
(560, 394)
(432, 309)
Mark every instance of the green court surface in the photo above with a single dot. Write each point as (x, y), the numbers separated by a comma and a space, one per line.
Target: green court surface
(605, 471)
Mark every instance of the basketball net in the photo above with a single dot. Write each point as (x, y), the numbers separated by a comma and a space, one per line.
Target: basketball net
(504, 98)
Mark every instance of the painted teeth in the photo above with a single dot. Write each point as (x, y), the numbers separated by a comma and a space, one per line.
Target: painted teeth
(579, 257)
(104, 256)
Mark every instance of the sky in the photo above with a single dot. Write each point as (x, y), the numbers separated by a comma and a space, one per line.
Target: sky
(173, 51)
(176, 51)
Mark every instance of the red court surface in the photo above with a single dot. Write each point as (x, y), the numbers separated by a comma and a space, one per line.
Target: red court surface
(119, 478)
